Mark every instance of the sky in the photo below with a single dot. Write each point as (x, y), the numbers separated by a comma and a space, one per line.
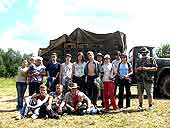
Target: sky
(27, 25)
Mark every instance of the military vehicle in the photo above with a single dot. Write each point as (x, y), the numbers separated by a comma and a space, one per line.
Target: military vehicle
(162, 75)
(83, 40)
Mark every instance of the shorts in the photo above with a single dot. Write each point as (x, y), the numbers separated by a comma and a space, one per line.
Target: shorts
(148, 88)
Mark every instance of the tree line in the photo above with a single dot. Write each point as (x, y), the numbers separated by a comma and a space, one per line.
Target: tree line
(10, 59)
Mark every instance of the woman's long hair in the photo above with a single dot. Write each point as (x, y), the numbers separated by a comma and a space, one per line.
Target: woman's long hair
(78, 54)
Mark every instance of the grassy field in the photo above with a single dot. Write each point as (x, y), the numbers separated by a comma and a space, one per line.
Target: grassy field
(158, 118)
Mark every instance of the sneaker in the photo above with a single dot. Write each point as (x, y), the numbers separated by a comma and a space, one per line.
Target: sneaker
(56, 116)
(34, 116)
(120, 109)
(106, 110)
(46, 117)
(127, 108)
(150, 108)
(116, 110)
(140, 108)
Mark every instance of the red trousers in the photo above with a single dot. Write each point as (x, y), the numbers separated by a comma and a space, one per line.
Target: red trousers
(109, 93)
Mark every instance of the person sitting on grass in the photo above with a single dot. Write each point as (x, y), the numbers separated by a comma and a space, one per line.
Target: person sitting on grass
(33, 103)
(77, 102)
(55, 101)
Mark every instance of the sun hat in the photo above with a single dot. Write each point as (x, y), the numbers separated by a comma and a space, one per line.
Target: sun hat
(107, 56)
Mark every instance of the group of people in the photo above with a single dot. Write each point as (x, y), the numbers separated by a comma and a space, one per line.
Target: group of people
(74, 88)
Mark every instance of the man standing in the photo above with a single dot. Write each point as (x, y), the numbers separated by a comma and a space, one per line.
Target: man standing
(92, 72)
(99, 58)
(53, 69)
(66, 72)
(115, 64)
(145, 69)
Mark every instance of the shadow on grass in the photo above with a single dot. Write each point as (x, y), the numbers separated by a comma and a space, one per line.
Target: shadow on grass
(9, 100)
(7, 110)
(123, 111)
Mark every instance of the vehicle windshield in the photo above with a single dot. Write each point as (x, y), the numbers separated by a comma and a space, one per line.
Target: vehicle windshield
(154, 52)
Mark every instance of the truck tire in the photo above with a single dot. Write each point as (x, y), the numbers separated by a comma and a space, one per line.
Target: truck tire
(165, 86)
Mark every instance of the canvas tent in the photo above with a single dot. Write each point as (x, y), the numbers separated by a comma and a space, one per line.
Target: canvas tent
(81, 39)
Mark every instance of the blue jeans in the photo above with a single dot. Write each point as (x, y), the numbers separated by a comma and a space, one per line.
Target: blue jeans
(25, 110)
(34, 88)
(51, 84)
(21, 88)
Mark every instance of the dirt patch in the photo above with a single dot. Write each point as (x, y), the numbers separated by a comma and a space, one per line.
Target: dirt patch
(7, 99)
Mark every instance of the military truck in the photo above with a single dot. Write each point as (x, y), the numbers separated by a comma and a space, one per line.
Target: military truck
(83, 40)
(162, 76)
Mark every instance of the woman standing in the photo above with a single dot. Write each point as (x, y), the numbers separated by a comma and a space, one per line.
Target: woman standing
(78, 71)
(21, 84)
(124, 71)
(108, 83)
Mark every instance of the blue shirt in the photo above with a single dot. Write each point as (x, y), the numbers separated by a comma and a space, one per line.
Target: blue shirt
(53, 69)
(124, 69)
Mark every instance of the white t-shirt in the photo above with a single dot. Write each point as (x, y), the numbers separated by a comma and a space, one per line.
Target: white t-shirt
(67, 71)
(108, 72)
(79, 69)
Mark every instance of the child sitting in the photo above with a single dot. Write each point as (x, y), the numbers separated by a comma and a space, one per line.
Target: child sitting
(33, 103)
(55, 101)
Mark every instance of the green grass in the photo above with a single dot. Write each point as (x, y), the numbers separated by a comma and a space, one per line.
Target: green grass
(7, 87)
(158, 118)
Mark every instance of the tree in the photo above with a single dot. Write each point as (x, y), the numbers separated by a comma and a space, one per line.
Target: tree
(163, 51)
(10, 61)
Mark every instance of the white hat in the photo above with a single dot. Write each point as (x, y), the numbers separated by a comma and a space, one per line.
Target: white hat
(107, 56)
(73, 85)
(99, 54)
(39, 58)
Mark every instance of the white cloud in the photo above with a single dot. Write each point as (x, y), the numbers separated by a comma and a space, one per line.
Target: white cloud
(30, 3)
(150, 25)
(145, 22)
(53, 21)
(2, 7)
(9, 39)
(6, 4)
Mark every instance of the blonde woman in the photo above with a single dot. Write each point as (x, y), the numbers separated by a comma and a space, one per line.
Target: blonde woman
(21, 84)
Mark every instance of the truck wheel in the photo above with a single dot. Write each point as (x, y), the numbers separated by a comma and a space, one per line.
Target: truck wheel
(165, 86)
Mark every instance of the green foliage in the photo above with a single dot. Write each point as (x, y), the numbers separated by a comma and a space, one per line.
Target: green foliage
(163, 51)
(10, 61)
